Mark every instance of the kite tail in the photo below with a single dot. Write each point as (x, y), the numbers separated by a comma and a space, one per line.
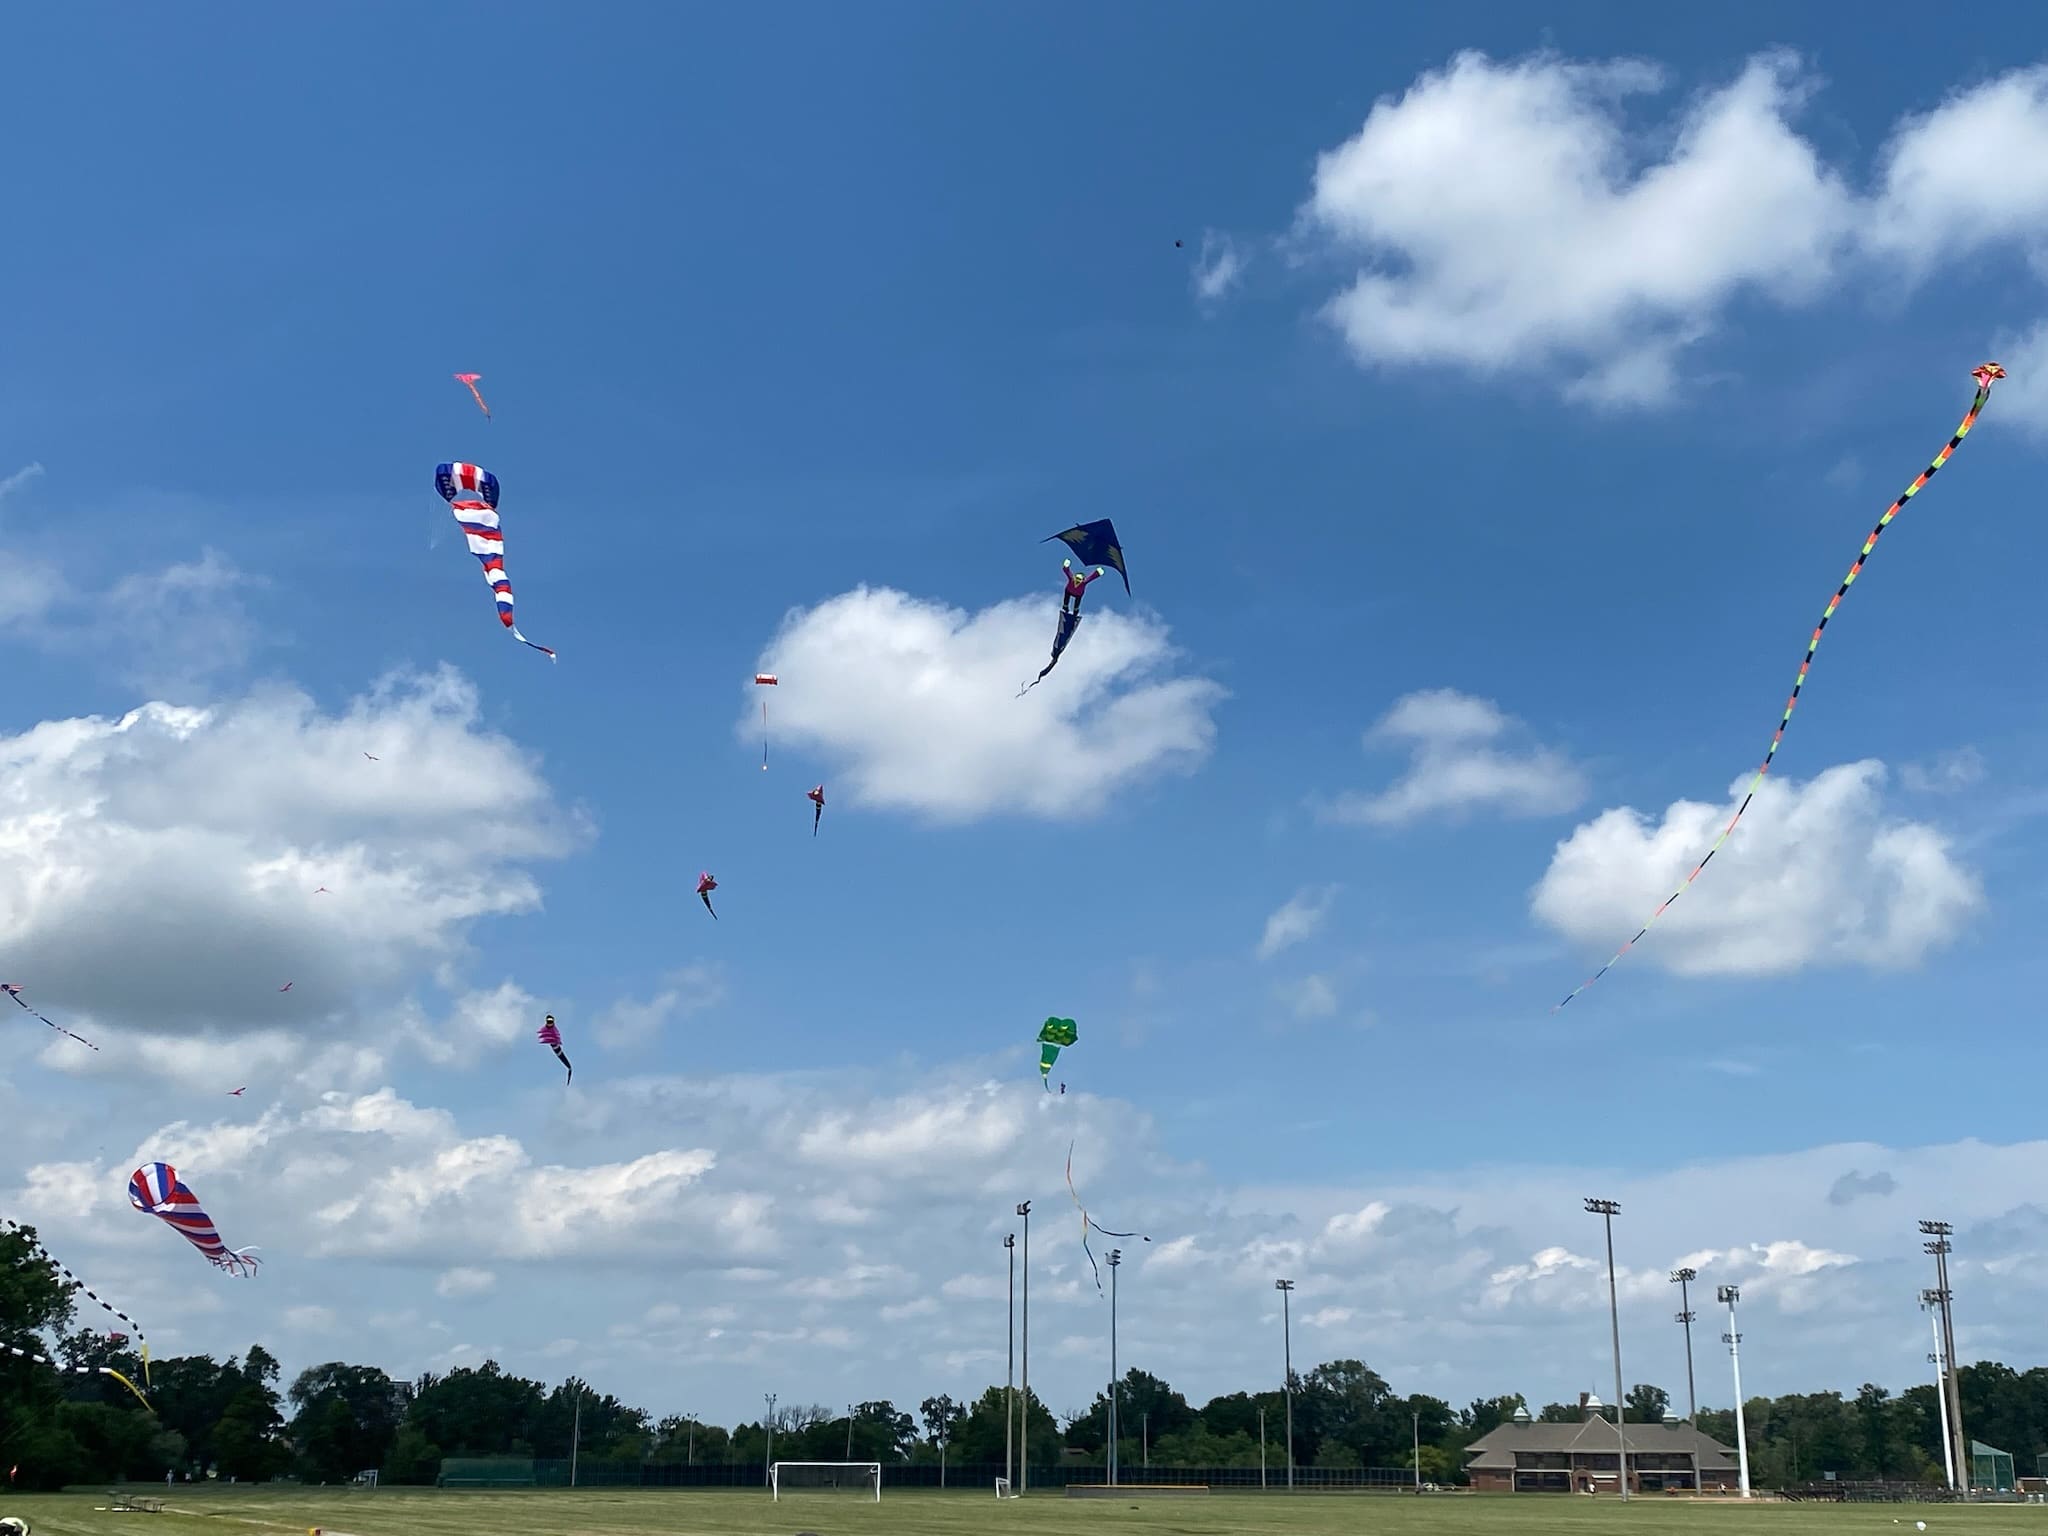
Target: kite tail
(237, 1260)
(1985, 374)
(538, 647)
(90, 1294)
(15, 993)
(108, 1370)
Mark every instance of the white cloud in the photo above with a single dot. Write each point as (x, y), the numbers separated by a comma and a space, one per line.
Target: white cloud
(1507, 224)
(697, 1203)
(917, 705)
(684, 992)
(1312, 997)
(1300, 917)
(2022, 397)
(1946, 773)
(464, 1281)
(1457, 765)
(1817, 873)
(1218, 268)
(158, 872)
(1507, 218)
(14, 482)
(1970, 174)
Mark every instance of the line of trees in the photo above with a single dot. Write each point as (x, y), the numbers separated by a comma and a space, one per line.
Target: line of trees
(230, 1419)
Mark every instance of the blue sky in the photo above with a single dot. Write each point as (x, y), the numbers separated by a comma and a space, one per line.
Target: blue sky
(1463, 507)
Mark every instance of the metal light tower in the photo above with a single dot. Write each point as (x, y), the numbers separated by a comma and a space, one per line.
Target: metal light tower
(1024, 1428)
(1682, 1278)
(769, 1463)
(1607, 1210)
(1116, 1260)
(1940, 1247)
(1728, 1295)
(1286, 1289)
(1930, 1302)
(1010, 1375)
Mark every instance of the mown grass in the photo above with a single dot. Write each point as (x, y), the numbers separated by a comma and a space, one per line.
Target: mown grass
(724, 1512)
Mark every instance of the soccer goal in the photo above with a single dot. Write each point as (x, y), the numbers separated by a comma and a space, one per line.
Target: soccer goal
(1003, 1489)
(825, 1477)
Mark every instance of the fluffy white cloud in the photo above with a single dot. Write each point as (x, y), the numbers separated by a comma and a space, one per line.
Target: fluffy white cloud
(1508, 219)
(1218, 267)
(1508, 223)
(1457, 765)
(1816, 873)
(2022, 396)
(162, 870)
(850, 1236)
(917, 704)
(1299, 917)
(1970, 174)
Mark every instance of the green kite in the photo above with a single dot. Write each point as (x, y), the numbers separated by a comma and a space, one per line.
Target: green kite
(1053, 1034)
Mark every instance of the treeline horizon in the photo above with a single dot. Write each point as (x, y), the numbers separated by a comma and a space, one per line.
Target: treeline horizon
(229, 1419)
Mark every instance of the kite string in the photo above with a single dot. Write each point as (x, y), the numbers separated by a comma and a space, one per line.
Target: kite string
(1088, 1221)
(1984, 374)
(27, 1237)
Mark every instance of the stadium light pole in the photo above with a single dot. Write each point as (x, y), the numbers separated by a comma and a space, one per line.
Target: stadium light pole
(1286, 1290)
(1416, 1425)
(1930, 1302)
(1728, 1295)
(1607, 1210)
(768, 1464)
(1024, 1426)
(1683, 1278)
(1116, 1262)
(1940, 1247)
(1010, 1376)
(576, 1435)
(690, 1456)
(1262, 1447)
(849, 1431)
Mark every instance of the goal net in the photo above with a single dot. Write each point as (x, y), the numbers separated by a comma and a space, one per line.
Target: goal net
(826, 1477)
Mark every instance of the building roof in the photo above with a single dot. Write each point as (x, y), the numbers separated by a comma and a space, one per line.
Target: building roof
(1495, 1450)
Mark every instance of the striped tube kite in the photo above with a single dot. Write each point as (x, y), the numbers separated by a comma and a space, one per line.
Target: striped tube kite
(468, 380)
(1053, 1034)
(77, 1370)
(1986, 374)
(472, 495)
(551, 1037)
(27, 1235)
(156, 1190)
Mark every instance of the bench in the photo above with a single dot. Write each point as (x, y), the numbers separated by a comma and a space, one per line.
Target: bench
(133, 1503)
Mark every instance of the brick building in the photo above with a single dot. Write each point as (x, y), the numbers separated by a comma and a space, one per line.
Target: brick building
(1521, 1456)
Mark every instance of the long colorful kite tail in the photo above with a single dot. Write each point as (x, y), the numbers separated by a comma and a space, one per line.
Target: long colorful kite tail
(133, 1327)
(79, 1370)
(1985, 374)
(14, 992)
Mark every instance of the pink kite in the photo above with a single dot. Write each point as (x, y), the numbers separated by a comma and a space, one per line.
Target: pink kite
(470, 379)
(705, 886)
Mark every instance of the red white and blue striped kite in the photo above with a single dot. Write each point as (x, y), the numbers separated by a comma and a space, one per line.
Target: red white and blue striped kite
(156, 1190)
(472, 495)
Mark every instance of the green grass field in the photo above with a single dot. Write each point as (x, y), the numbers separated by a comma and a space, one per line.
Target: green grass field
(426, 1512)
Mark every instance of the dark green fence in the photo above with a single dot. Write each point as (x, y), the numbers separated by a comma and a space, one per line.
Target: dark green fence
(980, 1476)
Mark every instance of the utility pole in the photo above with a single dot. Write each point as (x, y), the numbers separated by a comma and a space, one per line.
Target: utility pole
(1116, 1259)
(1728, 1295)
(1682, 1278)
(1024, 1427)
(1940, 1247)
(1286, 1289)
(1607, 1210)
(1010, 1376)
(1930, 1301)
